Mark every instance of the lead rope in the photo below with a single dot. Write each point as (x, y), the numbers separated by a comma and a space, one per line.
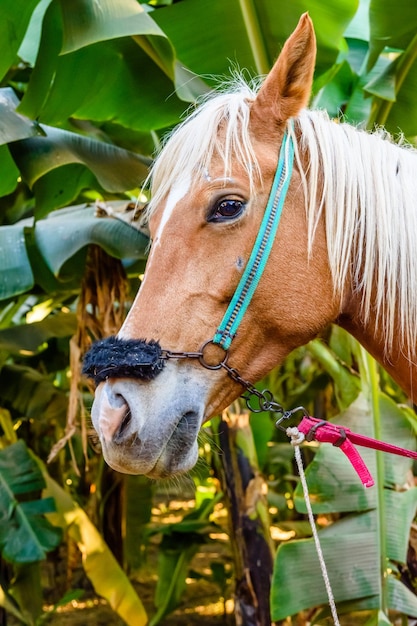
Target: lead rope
(296, 439)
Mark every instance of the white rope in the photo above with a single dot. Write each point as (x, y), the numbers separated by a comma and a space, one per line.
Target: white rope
(296, 439)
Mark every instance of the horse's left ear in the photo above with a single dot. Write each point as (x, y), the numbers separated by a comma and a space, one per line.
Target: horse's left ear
(287, 87)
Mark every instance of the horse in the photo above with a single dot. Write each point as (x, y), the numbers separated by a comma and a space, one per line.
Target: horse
(342, 251)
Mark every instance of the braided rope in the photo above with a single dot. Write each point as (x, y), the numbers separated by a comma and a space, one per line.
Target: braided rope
(296, 439)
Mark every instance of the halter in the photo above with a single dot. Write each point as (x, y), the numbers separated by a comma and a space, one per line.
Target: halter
(261, 249)
(112, 357)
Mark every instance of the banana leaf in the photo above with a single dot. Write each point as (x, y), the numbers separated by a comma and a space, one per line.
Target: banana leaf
(86, 23)
(392, 25)
(29, 45)
(30, 338)
(180, 542)
(25, 534)
(116, 169)
(116, 80)
(32, 394)
(36, 253)
(15, 17)
(200, 32)
(10, 173)
(13, 125)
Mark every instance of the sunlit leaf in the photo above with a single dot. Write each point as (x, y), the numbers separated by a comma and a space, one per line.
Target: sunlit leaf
(86, 23)
(101, 567)
(211, 50)
(29, 337)
(30, 44)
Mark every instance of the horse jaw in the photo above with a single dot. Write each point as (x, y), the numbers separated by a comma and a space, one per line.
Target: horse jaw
(151, 427)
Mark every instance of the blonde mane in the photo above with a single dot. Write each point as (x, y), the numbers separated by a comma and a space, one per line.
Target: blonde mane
(363, 184)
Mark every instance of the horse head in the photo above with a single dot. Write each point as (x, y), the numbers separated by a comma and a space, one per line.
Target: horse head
(210, 186)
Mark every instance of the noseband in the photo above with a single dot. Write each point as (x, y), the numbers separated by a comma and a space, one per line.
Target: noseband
(114, 358)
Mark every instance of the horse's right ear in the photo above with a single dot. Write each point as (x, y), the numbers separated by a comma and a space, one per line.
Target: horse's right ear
(287, 87)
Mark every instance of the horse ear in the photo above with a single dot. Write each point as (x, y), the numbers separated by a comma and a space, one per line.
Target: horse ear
(287, 87)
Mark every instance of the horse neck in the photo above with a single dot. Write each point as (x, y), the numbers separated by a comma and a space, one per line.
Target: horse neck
(371, 336)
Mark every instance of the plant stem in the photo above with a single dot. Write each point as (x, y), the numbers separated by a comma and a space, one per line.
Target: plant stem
(373, 379)
(255, 37)
(382, 107)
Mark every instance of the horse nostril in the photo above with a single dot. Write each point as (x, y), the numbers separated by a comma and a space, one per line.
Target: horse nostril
(115, 416)
(187, 422)
(189, 415)
(121, 433)
(116, 400)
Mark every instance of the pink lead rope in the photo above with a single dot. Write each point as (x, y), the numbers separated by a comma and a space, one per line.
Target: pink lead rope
(343, 438)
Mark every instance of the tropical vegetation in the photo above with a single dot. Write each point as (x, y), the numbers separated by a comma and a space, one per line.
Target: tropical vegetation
(88, 90)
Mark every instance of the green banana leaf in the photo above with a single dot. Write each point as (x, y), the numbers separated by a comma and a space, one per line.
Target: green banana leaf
(139, 498)
(15, 17)
(62, 163)
(393, 25)
(85, 23)
(13, 126)
(212, 49)
(116, 170)
(32, 394)
(29, 45)
(351, 545)
(116, 80)
(25, 534)
(30, 338)
(99, 49)
(10, 173)
(36, 253)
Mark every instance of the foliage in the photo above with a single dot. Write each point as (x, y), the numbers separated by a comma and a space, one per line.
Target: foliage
(86, 94)
(25, 534)
(106, 575)
(180, 542)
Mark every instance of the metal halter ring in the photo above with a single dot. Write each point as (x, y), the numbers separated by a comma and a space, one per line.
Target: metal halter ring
(207, 365)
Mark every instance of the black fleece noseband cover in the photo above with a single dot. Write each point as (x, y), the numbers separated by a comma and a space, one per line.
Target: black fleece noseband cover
(123, 358)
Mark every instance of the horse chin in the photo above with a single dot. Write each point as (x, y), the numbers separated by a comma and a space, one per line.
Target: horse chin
(170, 463)
(150, 428)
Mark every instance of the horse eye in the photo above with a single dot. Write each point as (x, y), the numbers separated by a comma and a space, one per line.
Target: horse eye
(226, 210)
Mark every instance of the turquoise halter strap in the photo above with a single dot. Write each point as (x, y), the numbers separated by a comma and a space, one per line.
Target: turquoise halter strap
(261, 249)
